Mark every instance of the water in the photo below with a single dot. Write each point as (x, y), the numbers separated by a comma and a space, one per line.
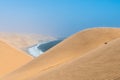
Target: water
(40, 48)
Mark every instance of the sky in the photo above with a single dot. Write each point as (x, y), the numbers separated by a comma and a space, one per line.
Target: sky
(59, 18)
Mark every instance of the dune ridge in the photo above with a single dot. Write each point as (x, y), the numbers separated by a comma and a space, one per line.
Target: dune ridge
(68, 50)
(11, 58)
(100, 64)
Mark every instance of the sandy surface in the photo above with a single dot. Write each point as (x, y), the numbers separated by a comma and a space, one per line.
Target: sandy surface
(101, 64)
(23, 40)
(91, 54)
(11, 58)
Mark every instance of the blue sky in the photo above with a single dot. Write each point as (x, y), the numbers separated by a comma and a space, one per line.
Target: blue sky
(58, 18)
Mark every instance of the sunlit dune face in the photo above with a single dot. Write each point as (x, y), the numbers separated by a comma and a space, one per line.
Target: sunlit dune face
(68, 50)
(11, 58)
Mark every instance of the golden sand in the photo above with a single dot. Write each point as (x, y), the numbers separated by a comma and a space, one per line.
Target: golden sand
(101, 64)
(83, 56)
(11, 58)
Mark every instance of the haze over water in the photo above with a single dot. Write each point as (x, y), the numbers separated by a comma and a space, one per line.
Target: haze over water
(59, 18)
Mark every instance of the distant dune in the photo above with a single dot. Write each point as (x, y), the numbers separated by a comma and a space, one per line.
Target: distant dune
(11, 58)
(22, 40)
(92, 54)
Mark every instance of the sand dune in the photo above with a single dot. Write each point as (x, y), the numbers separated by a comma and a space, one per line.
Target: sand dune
(11, 58)
(22, 40)
(70, 49)
(101, 64)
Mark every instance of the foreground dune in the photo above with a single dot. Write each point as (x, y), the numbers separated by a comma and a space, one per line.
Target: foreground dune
(101, 64)
(70, 49)
(11, 58)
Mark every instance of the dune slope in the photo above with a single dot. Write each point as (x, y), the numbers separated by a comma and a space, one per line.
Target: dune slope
(101, 64)
(11, 58)
(68, 50)
(22, 40)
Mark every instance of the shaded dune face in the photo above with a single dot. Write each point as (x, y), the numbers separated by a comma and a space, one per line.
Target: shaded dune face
(11, 58)
(74, 47)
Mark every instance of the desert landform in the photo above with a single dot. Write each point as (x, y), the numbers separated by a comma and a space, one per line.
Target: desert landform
(91, 54)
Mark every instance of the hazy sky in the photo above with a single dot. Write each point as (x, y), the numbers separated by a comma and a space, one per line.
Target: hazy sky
(57, 17)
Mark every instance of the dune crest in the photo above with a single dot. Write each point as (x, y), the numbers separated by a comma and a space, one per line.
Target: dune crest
(74, 47)
(100, 64)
